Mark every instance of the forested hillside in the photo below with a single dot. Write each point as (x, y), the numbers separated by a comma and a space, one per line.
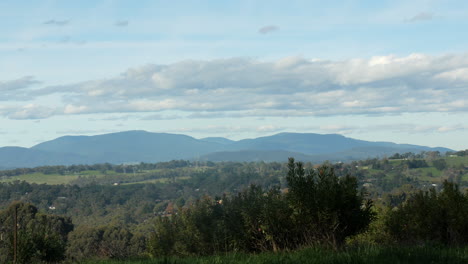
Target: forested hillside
(183, 208)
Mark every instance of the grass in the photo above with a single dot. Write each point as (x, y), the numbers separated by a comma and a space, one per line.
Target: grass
(454, 161)
(96, 173)
(55, 179)
(372, 254)
(159, 180)
(41, 178)
(465, 177)
(425, 172)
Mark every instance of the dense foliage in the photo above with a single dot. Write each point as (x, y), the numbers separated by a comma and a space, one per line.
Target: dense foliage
(112, 241)
(188, 208)
(431, 216)
(319, 207)
(40, 237)
(326, 207)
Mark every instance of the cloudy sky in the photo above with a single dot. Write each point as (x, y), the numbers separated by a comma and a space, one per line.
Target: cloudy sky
(374, 70)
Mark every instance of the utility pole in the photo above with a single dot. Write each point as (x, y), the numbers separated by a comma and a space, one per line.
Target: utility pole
(15, 238)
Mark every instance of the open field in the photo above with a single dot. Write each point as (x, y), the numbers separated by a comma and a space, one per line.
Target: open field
(40, 178)
(456, 161)
(362, 255)
(160, 180)
(426, 174)
(54, 179)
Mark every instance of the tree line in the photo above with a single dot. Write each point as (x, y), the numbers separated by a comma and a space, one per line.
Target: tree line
(318, 206)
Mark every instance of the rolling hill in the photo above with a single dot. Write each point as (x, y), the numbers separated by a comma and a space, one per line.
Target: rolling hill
(142, 146)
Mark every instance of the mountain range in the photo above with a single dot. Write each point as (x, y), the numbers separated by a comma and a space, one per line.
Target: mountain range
(142, 146)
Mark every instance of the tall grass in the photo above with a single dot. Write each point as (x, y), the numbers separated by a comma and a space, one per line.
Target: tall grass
(371, 254)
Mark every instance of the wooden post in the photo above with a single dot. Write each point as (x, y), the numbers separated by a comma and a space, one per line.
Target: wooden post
(15, 238)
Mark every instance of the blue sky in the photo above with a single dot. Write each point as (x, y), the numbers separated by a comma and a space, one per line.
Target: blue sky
(374, 70)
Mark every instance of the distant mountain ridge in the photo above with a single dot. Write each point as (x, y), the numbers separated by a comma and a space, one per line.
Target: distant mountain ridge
(142, 146)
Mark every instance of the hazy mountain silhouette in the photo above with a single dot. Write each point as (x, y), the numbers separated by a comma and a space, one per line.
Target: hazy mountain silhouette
(16, 157)
(131, 146)
(142, 146)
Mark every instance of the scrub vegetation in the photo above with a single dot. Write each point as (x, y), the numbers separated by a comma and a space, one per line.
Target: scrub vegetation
(407, 208)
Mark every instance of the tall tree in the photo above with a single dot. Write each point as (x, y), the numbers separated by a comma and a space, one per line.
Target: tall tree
(38, 238)
(326, 208)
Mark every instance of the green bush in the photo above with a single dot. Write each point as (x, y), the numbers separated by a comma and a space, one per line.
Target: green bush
(106, 242)
(319, 208)
(40, 237)
(432, 217)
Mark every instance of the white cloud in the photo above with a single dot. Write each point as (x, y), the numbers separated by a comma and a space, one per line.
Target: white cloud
(152, 105)
(338, 129)
(72, 109)
(416, 128)
(18, 89)
(355, 103)
(269, 128)
(30, 111)
(18, 84)
(454, 75)
(292, 86)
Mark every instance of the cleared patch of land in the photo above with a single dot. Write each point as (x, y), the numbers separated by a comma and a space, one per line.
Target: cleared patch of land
(41, 178)
(426, 175)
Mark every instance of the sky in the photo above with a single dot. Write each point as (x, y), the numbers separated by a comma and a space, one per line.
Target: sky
(373, 70)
